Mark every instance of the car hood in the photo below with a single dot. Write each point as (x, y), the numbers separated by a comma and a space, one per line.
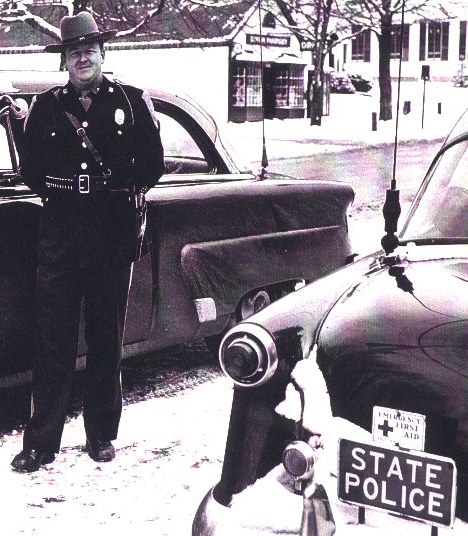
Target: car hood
(398, 335)
(415, 303)
(399, 338)
(392, 336)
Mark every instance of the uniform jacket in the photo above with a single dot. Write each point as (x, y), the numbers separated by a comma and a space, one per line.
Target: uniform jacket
(96, 227)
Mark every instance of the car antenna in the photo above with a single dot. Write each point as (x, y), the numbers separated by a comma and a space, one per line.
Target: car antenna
(392, 208)
(262, 173)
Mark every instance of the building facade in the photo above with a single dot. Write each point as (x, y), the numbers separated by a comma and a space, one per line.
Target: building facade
(438, 45)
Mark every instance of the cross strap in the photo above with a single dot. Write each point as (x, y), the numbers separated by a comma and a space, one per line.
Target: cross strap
(82, 134)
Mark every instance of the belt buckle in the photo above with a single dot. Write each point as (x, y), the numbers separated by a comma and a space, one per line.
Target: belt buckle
(83, 184)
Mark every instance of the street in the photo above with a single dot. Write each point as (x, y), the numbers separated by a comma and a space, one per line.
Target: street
(368, 171)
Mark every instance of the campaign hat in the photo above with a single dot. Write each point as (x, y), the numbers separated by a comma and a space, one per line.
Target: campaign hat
(79, 29)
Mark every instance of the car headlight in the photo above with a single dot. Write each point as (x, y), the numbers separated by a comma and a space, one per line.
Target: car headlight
(248, 355)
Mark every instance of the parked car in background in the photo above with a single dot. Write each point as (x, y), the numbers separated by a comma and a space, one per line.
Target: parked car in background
(350, 407)
(223, 242)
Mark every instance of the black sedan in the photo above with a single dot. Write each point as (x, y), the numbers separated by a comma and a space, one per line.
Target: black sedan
(222, 241)
(350, 408)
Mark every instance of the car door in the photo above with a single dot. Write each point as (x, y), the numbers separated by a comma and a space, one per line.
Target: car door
(192, 160)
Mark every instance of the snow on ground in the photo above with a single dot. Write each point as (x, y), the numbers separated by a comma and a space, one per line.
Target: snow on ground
(169, 454)
(349, 124)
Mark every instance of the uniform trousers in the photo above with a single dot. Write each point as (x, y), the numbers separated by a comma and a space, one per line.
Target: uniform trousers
(61, 288)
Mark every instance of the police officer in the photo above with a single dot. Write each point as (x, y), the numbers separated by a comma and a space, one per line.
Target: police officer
(87, 146)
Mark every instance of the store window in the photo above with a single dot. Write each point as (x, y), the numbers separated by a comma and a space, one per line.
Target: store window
(246, 85)
(282, 87)
(360, 46)
(296, 87)
(433, 40)
(396, 38)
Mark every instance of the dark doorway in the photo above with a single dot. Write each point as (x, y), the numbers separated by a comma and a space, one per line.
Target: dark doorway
(269, 92)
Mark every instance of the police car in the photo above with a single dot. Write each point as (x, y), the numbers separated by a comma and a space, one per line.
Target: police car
(349, 414)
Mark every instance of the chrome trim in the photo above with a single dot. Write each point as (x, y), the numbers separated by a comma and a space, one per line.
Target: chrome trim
(241, 332)
(210, 519)
(83, 184)
(206, 309)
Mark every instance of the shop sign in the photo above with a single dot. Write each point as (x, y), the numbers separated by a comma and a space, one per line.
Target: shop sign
(269, 40)
(307, 45)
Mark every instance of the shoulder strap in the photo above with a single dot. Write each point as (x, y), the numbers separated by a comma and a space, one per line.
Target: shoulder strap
(119, 85)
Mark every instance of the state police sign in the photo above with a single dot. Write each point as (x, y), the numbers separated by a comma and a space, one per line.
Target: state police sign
(416, 485)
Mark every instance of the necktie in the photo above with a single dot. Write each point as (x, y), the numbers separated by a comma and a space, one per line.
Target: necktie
(86, 100)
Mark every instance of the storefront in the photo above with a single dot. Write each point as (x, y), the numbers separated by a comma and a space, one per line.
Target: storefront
(272, 74)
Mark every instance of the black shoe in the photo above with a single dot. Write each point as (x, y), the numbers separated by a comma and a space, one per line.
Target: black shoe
(30, 460)
(99, 450)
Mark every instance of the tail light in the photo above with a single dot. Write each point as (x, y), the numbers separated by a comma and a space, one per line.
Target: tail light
(299, 460)
(248, 355)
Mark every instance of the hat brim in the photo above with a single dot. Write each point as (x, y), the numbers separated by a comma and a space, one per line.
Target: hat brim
(60, 47)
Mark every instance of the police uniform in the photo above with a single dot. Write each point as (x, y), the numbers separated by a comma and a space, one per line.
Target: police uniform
(85, 245)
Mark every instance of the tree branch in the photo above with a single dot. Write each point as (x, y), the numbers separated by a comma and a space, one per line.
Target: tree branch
(150, 15)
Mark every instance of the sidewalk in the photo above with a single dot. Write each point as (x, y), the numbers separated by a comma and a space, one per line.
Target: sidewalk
(349, 124)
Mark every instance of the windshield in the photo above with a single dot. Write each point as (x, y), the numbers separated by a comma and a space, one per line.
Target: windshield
(441, 207)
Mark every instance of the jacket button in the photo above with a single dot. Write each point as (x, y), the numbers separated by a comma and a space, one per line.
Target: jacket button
(84, 165)
(85, 124)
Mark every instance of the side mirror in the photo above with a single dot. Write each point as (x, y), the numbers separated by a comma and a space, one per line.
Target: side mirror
(18, 108)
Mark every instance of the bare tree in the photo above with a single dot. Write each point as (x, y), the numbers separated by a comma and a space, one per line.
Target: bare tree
(379, 16)
(106, 13)
(310, 21)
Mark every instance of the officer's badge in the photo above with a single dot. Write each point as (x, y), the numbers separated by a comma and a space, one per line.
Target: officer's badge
(119, 116)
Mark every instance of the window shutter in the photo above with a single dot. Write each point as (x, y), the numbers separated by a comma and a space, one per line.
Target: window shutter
(367, 40)
(422, 41)
(445, 40)
(406, 31)
(462, 45)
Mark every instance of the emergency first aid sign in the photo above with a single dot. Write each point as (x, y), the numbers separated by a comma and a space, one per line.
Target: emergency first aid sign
(400, 428)
(413, 484)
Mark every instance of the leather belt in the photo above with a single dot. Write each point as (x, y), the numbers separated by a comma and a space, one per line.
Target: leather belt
(82, 184)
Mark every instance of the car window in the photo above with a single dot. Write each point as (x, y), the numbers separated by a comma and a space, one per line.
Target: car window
(442, 211)
(181, 152)
(5, 160)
